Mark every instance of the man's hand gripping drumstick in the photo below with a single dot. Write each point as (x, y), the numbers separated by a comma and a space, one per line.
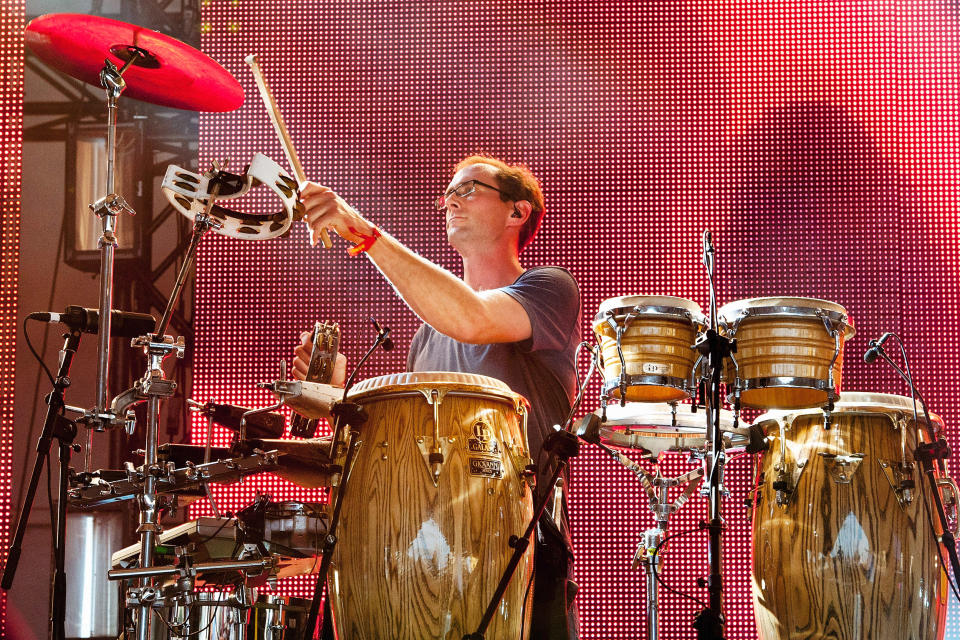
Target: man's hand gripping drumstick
(281, 128)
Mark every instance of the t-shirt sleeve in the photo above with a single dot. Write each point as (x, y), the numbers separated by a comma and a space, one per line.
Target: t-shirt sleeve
(415, 346)
(551, 298)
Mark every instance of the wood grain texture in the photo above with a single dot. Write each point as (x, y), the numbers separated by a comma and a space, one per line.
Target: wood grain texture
(770, 347)
(661, 342)
(845, 561)
(416, 560)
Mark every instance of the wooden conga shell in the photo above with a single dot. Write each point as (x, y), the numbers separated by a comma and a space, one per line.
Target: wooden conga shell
(785, 357)
(419, 560)
(845, 560)
(657, 346)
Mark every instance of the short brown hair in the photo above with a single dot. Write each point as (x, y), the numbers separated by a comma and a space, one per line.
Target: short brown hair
(518, 183)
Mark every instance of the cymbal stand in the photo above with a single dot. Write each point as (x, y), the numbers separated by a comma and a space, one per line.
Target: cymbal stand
(715, 348)
(107, 209)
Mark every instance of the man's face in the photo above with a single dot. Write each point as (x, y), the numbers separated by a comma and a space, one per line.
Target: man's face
(479, 216)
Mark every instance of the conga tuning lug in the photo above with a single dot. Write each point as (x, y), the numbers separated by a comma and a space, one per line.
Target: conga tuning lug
(900, 477)
(787, 480)
(432, 459)
(841, 468)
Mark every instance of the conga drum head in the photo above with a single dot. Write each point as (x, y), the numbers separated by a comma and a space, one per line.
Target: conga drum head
(789, 351)
(656, 429)
(842, 543)
(438, 486)
(656, 336)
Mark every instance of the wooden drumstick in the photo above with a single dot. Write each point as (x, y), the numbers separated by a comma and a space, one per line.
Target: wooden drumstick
(278, 125)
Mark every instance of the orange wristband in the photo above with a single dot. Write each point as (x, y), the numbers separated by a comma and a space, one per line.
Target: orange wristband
(365, 244)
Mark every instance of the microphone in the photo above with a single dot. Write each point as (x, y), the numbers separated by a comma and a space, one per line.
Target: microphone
(383, 335)
(875, 346)
(259, 425)
(123, 324)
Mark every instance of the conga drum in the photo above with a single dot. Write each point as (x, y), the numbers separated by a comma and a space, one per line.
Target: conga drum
(646, 344)
(842, 540)
(789, 351)
(437, 490)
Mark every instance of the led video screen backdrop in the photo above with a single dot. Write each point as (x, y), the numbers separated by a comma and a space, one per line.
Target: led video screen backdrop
(11, 135)
(817, 141)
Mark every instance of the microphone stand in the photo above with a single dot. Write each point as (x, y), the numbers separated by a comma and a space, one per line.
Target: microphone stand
(352, 415)
(55, 426)
(926, 453)
(562, 445)
(716, 348)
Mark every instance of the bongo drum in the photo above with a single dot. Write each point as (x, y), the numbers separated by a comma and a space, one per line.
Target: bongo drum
(436, 491)
(646, 343)
(842, 545)
(789, 351)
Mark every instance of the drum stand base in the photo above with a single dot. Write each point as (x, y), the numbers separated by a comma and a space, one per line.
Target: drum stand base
(648, 553)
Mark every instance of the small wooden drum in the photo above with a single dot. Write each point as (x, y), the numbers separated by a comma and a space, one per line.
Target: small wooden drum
(646, 346)
(789, 351)
(842, 546)
(436, 491)
(658, 428)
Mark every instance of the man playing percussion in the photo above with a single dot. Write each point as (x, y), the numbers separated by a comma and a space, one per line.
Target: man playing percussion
(518, 325)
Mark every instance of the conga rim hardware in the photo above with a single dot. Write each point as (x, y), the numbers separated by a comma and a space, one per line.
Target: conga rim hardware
(637, 310)
(797, 382)
(414, 383)
(646, 380)
(734, 313)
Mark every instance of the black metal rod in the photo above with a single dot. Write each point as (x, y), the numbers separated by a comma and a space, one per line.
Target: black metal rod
(519, 548)
(330, 540)
(54, 426)
(929, 470)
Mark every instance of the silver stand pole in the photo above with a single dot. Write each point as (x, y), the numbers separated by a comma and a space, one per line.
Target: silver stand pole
(107, 209)
(153, 386)
(649, 553)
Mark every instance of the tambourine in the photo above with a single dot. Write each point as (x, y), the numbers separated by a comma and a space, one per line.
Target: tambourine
(190, 193)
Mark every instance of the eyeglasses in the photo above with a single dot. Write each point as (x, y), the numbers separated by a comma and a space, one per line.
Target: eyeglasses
(463, 190)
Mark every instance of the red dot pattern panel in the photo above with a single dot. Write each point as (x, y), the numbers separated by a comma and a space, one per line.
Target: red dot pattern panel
(12, 22)
(817, 142)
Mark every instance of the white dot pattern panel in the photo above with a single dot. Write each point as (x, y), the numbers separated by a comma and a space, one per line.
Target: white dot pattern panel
(12, 23)
(819, 145)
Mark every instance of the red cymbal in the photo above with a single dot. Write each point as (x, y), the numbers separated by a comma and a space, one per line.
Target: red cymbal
(172, 74)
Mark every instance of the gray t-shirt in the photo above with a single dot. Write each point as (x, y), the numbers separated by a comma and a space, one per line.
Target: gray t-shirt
(541, 368)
